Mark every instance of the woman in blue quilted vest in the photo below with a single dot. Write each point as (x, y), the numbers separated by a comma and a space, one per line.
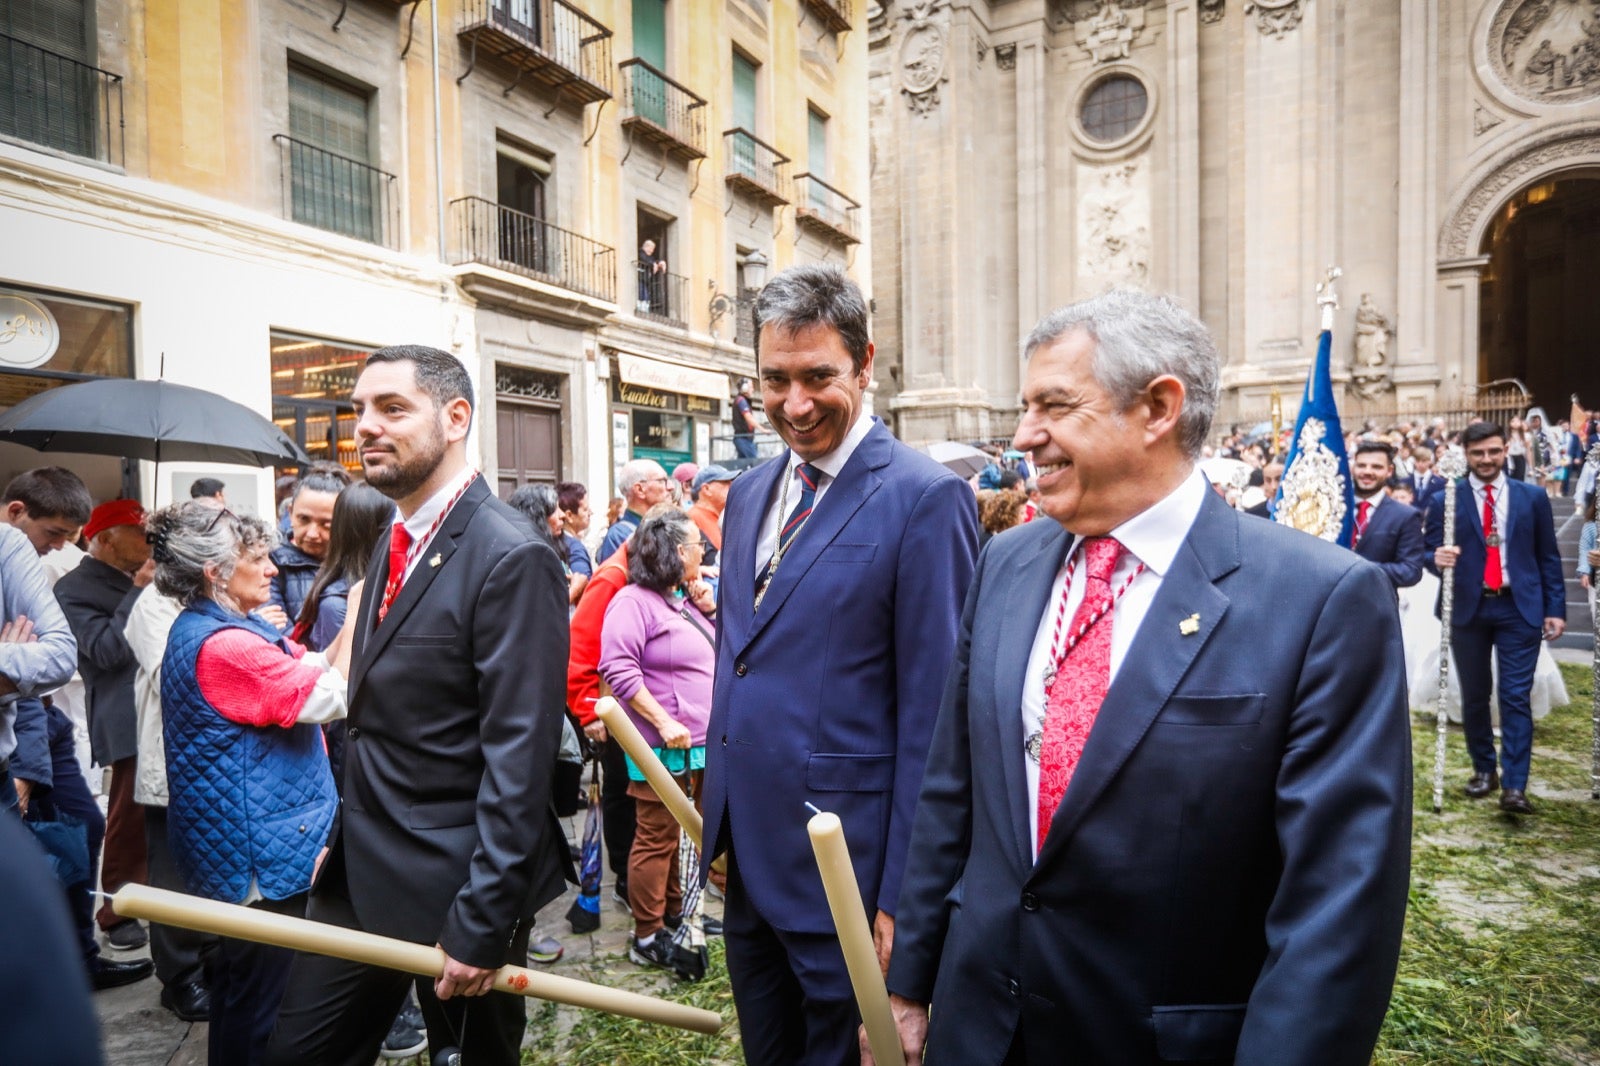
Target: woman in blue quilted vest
(252, 799)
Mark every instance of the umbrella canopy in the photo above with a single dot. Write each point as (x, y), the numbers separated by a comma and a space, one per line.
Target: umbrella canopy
(959, 458)
(154, 420)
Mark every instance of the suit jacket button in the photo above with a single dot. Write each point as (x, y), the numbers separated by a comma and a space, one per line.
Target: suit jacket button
(724, 740)
(740, 669)
(302, 829)
(1015, 987)
(1030, 902)
(354, 733)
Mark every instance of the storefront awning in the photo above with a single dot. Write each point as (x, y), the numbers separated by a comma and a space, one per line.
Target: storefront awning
(671, 377)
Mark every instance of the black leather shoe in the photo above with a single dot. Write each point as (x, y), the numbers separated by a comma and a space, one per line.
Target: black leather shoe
(1515, 801)
(127, 936)
(104, 974)
(1482, 784)
(191, 1002)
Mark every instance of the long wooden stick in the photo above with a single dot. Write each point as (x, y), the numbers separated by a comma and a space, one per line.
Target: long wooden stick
(1451, 465)
(620, 726)
(317, 938)
(855, 936)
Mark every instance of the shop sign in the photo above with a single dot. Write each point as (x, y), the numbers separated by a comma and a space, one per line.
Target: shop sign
(699, 405)
(671, 377)
(29, 334)
(640, 396)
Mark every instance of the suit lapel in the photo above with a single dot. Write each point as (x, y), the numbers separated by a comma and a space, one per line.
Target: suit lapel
(741, 540)
(1467, 499)
(1159, 656)
(371, 641)
(1026, 598)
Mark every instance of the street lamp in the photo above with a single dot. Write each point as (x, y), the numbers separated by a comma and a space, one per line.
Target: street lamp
(752, 276)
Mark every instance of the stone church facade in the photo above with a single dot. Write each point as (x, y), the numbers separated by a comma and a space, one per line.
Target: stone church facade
(1444, 153)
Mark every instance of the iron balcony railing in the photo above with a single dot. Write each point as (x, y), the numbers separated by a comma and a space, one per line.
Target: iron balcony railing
(56, 102)
(755, 167)
(835, 14)
(548, 40)
(661, 295)
(822, 207)
(659, 109)
(744, 319)
(489, 233)
(338, 194)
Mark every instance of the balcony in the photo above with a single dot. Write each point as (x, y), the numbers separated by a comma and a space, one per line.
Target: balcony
(835, 14)
(337, 194)
(825, 210)
(549, 41)
(661, 296)
(487, 233)
(755, 168)
(55, 102)
(661, 111)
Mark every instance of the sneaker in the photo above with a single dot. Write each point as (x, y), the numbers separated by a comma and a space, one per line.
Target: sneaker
(547, 950)
(714, 892)
(619, 896)
(412, 1014)
(657, 953)
(708, 925)
(404, 1040)
(127, 936)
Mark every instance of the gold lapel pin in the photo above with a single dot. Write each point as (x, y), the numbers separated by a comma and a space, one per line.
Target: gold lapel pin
(436, 560)
(1189, 626)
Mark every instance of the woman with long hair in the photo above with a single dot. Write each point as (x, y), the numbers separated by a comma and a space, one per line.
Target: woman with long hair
(542, 507)
(361, 518)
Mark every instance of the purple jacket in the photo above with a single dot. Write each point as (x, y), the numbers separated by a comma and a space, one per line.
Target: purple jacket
(646, 643)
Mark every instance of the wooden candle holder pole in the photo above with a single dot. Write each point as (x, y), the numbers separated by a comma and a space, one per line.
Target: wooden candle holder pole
(620, 726)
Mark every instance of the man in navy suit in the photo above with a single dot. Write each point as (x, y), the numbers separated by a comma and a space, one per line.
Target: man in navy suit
(843, 566)
(1387, 531)
(1509, 591)
(1424, 481)
(1166, 814)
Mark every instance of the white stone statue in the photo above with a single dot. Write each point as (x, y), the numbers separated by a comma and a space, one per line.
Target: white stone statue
(1369, 372)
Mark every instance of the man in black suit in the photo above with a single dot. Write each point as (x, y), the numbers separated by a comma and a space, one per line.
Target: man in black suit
(457, 687)
(1386, 531)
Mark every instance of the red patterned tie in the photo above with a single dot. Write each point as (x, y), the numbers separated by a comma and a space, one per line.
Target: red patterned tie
(1074, 696)
(1493, 577)
(1363, 510)
(399, 546)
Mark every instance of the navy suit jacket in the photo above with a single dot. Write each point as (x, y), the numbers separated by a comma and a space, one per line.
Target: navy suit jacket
(1393, 540)
(829, 692)
(1530, 560)
(1225, 879)
(1425, 486)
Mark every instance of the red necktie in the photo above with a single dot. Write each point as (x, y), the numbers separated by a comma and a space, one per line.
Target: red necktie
(399, 546)
(1363, 511)
(1080, 684)
(1493, 578)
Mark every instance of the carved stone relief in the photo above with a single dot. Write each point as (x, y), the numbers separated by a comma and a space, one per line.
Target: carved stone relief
(922, 56)
(1005, 56)
(1558, 148)
(1108, 34)
(1274, 18)
(878, 21)
(1113, 225)
(1547, 51)
(1211, 10)
(1369, 370)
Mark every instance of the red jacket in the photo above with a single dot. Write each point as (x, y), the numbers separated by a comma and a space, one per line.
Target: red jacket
(583, 662)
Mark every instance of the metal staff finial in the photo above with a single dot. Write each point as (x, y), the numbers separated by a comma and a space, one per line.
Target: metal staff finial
(1452, 466)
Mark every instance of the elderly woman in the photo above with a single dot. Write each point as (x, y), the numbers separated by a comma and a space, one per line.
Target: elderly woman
(251, 798)
(656, 653)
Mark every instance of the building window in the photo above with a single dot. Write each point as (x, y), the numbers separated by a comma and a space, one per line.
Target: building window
(328, 154)
(312, 381)
(521, 175)
(52, 339)
(50, 93)
(1113, 109)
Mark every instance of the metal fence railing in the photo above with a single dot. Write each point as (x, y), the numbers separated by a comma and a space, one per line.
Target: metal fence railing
(338, 194)
(835, 14)
(1488, 404)
(56, 102)
(661, 295)
(820, 204)
(755, 165)
(541, 34)
(670, 111)
(489, 233)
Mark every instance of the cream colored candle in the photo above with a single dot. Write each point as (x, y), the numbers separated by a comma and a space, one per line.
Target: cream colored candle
(855, 936)
(280, 930)
(619, 725)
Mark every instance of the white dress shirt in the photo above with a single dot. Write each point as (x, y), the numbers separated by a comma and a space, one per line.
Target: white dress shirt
(1501, 510)
(831, 466)
(1152, 537)
(420, 523)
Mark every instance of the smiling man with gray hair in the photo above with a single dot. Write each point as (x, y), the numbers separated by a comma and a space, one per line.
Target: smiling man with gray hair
(1153, 828)
(643, 484)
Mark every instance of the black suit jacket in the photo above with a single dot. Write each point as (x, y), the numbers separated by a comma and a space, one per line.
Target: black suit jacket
(96, 599)
(446, 833)
(1393, 540)
(1225, 879)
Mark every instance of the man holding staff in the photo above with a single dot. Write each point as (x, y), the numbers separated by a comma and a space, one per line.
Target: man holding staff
(843, 565)
(1150, 828)
(456, 693)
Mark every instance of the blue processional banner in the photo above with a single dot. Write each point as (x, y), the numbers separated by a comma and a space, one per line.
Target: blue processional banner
(1316, 494)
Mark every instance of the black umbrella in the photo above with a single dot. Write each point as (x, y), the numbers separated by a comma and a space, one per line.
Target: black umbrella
(154, 420)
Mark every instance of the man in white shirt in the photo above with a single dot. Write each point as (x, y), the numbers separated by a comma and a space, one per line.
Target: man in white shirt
(1166, 812)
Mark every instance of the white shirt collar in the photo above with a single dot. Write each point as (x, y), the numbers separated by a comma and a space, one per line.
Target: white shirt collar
(422, 521)
(1375, 499)
(1155, 534)
(833, 463)
(1499, 483)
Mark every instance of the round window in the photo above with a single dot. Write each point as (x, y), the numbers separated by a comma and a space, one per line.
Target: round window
(1113, 108)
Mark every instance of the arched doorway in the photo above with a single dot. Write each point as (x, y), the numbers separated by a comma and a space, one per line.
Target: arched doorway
(1538, 305)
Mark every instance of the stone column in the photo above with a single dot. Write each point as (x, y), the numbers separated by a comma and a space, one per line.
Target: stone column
(1415, 360)
(1182, 100)
(1457, 347)
(1033, 180)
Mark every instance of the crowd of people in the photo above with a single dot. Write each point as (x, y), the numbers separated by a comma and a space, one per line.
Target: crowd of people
(1091, 801)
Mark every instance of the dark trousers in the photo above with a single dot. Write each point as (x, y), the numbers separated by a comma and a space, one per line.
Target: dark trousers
(247, 984)
(337, 1013)
(616, 809)
(124, 861)
(69, 794)
(792, 991)
(179, 954)
(1498, 627)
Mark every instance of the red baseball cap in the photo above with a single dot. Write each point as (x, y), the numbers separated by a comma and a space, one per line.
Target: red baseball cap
(114, 513)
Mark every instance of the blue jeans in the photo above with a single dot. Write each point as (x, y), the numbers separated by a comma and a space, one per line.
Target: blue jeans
(744, 446)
